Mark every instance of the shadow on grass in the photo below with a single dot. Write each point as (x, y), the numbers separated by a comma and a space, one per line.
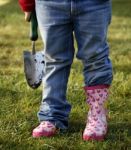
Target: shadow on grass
(10, 94)
(124, 68)
(119, 132)
(118, 42)
(121, 8)
(6, 144)
(11, 7)
(17, 95)
(76, 126)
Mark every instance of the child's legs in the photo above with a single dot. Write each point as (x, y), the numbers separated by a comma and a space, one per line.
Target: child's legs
(91, 27)
(56, 31)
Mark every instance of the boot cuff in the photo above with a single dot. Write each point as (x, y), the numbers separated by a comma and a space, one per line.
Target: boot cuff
(96, 87)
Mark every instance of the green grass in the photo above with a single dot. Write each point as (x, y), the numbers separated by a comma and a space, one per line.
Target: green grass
(19, 104)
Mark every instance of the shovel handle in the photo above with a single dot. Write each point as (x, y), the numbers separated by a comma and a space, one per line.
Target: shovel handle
(33, 27)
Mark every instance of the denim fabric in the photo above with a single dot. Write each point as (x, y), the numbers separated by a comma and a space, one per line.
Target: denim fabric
(58, 19)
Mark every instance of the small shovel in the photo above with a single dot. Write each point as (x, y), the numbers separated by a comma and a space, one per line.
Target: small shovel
(33, 61)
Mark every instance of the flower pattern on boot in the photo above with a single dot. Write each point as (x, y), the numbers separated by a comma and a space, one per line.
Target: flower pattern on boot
(96, 127)
(46, 129)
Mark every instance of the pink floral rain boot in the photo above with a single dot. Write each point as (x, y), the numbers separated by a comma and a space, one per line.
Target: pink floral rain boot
(96, 127)
(46, 129)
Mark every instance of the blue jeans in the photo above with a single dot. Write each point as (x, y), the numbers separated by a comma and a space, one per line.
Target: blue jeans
(58, 19)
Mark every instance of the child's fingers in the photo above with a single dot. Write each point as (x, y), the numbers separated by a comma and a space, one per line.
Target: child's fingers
(27, 16)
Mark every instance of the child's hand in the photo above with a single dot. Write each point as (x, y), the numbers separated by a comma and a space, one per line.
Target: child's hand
(27, 16)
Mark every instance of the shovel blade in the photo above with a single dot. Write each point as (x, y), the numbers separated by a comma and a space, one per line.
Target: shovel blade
(30, 70)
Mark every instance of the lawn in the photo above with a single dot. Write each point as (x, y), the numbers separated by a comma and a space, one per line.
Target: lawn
(19, 104)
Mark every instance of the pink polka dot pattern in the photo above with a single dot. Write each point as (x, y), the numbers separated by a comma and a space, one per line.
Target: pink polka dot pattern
(96, 127)
(46, 129)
